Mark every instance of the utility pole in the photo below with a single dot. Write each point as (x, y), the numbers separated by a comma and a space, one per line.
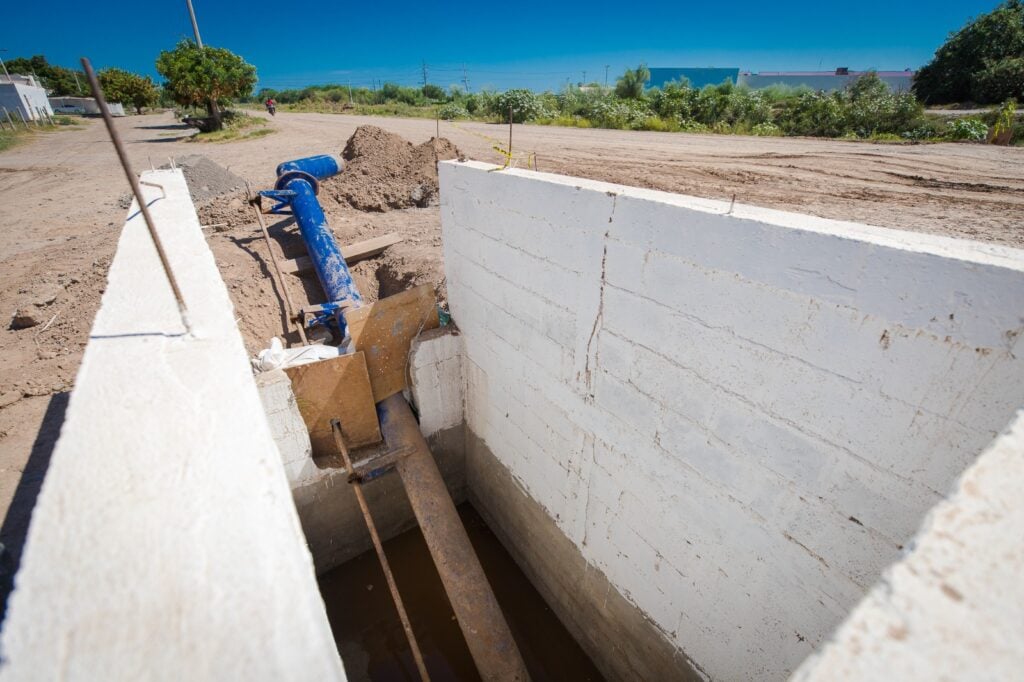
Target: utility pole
(78, 86)
(195, 26)
(606, 67)
(424, 74)
(465, 79)
(350, 91)
(584, 76)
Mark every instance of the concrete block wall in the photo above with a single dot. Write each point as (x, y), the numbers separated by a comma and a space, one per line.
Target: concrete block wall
(164, 544)
(952, 608)
(738, 416)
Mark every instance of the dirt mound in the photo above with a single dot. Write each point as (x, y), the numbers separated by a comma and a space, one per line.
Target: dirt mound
(205, 178)
(383, 171)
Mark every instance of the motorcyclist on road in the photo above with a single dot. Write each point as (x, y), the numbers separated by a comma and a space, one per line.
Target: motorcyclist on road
(271, 105)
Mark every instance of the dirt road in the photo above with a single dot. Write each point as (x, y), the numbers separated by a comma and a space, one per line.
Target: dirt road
(61, 221)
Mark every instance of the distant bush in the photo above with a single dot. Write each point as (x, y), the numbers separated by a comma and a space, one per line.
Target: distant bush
(523, 104)
(766, 130)
(452, 111)
(969, 129)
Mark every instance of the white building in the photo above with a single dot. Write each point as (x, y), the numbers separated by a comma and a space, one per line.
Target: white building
(828, 81)
(24, 96)
(83, 105)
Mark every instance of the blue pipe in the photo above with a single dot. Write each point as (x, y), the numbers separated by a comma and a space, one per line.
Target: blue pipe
(297, 186)
(320, 166)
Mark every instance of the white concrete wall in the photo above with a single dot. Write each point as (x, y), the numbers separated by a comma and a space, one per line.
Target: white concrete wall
(19, 97)
(953, 608)
(740, 418)
(164, 543)
(435, 367)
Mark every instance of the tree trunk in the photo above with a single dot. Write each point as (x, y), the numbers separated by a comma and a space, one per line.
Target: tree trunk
(214, 111)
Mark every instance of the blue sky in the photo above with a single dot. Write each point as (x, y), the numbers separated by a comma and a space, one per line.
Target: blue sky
(526, 44)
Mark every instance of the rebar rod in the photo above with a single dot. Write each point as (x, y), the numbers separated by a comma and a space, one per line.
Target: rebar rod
(289, 306)
(97, 92)
(377, 545)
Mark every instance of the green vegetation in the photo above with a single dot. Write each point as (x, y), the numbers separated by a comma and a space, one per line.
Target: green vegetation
(631, 84)
(983, 61)
(128, 88)
(57, 80)
(237, 126)
(212, 76)
(10, 138)
(866, 110)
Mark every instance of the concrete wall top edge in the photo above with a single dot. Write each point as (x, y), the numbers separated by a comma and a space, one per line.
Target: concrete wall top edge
(164, 543)
(946, 247)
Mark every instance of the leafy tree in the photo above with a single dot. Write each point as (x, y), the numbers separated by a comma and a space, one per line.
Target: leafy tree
(129, 88)
(210, 75)
(56, 79)
(999, 80)
(434, 92)
(631, 84)
(979, 60)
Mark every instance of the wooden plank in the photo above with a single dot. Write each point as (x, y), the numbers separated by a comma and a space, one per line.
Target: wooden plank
(353, 253)
(340, 389)
(383, 332)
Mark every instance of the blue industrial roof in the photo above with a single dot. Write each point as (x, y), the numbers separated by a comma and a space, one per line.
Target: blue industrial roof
(698, 77)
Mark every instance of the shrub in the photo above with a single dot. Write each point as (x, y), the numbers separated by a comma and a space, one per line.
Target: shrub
(631, 83)
(969, 129)
(926, 129)
(691, 126)
(766, 130)
(524, 104)
(452, 111)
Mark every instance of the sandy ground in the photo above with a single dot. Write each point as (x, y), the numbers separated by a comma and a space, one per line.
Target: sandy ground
(61, 220)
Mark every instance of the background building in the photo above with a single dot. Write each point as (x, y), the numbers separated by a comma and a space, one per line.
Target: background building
(698, 77)
(898, 81)
(23, 95)
(828, 81)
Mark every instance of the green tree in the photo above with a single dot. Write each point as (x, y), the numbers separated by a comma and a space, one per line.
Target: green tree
(631, 83)
(56, 79)
(210, 75)
(973, 59)
(999, 80)
(433, 92)
(128, 88)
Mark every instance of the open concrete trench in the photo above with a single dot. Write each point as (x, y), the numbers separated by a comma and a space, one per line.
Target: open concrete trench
(679, 438)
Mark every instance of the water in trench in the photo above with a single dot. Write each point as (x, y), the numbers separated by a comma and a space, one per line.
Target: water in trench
(369, 634)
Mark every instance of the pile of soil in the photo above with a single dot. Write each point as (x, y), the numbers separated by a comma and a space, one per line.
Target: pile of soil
(388, 185)
(384, 171)
(205, 178)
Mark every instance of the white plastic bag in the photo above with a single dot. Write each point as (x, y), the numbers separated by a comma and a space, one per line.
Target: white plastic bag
(279, 357)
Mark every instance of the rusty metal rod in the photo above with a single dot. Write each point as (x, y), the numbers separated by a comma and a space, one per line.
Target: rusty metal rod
(97, 92)
(358, 487)
(289, 306)
(482, 622)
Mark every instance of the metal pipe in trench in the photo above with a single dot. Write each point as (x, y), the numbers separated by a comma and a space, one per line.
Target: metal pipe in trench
(487, 633)
(481, 620)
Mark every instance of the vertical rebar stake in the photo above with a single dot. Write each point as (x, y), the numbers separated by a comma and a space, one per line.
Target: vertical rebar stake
(357, 486)
(508, 162)
(97, 92)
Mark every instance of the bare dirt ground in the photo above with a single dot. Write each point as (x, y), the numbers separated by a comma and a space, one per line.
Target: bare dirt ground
(61, 221)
